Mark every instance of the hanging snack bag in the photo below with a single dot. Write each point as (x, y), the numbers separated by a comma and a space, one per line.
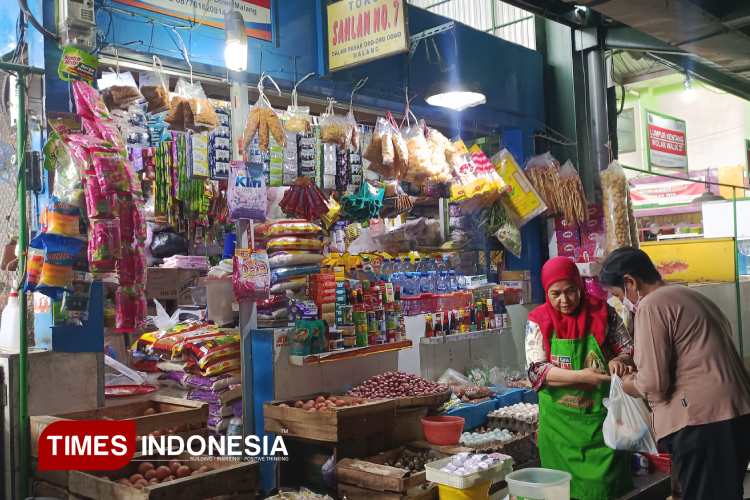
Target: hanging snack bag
(99, 205)
(121, 88)
(246, 196)
(297, 119)
(91, 128)
(109, 171)
(615, 192)
(374, 151)
(250, 275)
(333, 129)
(154, 87)
(68, 179)
(419, 154)
(352, 135)
(63, 218)
(127, 217)
(57, 270)
(523, 201)
(140, 265)
(126, 266)
(89, 103)
(33, 268)
(104, 245)
(175, 117)
(126, 312)
(77, 301)
(201, 110)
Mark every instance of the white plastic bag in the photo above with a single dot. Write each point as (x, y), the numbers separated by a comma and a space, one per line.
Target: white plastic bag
(162, 320)
(627, 425)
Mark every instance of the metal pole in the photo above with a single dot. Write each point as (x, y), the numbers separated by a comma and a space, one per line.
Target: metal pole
(23, 363)
(737, 273)
(598, 108)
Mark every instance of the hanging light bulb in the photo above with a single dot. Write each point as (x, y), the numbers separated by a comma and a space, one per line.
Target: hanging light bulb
(454, 95)
(235, 52)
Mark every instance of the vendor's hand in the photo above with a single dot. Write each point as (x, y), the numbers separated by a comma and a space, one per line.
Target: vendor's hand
(629, 377)
(617, 367)
(593, 376)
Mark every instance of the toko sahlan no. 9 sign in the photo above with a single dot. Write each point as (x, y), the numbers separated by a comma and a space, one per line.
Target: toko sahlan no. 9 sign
(360, 31)
(256, 13)
(667, 147)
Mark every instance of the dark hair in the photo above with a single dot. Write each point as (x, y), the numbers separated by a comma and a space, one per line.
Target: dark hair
(628, 260)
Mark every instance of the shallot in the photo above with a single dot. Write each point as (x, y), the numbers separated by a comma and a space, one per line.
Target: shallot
(396, 385)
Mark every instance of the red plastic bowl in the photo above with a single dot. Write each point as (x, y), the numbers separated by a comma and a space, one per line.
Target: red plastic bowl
(443, 430)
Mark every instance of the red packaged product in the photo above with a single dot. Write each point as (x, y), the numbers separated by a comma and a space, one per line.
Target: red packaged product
(592, 225)
(566, 249)
(561, 223)
(586, 253)
(595, 211)
(567, 235)
(591, 237)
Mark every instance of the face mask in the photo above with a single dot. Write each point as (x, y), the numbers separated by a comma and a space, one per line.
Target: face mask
(632, 307)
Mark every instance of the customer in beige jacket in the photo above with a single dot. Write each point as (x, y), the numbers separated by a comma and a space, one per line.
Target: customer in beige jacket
(691, 375)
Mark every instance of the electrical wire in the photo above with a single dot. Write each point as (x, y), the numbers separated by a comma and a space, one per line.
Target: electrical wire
(35, 23)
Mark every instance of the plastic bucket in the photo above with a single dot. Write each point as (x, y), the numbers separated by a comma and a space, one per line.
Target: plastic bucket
(541, 484)
(442, 430)
(220, 299)
(478, 492)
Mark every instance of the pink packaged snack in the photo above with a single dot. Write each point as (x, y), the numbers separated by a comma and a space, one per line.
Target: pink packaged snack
(111, 134)
(91, 128)
(127, 220)
(594, 288)
(139, 218)
(109, 171)
(140, 265)
(251, 275)
(99, 205)
(104, 245)
(142, 307)
(88, 101)
(126, 266)
(126, 311)
(134, 184)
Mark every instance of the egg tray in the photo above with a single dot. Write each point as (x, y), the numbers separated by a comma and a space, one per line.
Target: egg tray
(512, 424)
(522, 447)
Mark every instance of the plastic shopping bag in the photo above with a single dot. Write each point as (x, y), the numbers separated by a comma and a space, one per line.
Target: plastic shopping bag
(627, 425)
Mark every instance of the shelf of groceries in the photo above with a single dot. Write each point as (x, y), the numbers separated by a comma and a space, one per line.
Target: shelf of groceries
(457, 337)
(356, 352)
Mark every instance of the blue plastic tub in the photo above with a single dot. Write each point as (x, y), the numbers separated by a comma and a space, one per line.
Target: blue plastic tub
(481, 410)
(510, 398)
(465, 412)
(530, 397)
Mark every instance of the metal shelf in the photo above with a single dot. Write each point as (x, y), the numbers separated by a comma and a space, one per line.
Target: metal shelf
(356, 352)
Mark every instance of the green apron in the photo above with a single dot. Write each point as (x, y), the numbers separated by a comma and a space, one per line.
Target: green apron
(570, 427)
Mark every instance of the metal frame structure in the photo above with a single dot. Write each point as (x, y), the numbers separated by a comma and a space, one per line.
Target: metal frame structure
(24, 438)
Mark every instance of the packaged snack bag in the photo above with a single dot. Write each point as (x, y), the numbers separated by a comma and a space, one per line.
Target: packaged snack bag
(109, 171)
(302, 337)
(89, 103)
(126, 266)
(56, 276)
(104, 245)
(126, 312)
(33, 268)
(250, 276)
(77, 301)
(127, 217)
(63, 218)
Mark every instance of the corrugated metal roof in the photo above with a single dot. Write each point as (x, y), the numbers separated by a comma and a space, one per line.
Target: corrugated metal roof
(629, 69)
(511, 23)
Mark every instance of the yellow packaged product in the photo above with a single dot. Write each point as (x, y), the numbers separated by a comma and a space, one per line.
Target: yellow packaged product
(523, 200)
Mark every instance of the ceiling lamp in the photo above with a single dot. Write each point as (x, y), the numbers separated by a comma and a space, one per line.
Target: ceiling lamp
(235, 52)
(454, 95)
(707, 197)
(688, 95)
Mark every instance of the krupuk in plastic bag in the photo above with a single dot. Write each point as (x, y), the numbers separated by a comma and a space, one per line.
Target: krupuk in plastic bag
(627, 427)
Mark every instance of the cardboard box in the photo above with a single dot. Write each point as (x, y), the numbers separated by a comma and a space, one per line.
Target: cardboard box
(524, 286)
(586, 253)
(589, 269)
(592, 225)
(566, 249)
(162, 284)
(590, 237)
(566, 235)
(596, 211)
(561, 223)
(516, 275)
(186, 279)
(310, 278)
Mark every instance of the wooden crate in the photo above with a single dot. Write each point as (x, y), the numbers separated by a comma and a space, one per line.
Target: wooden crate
(170, 412)
(432, 399)
(371, 473)
(222, 478)
(332, 426)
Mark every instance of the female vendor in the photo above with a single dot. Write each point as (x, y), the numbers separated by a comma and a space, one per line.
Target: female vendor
(574, 342)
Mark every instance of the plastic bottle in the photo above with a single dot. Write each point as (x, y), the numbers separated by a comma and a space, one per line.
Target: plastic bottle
(369, 270)
(442, 266)
(433, 265)
(443, 286)
(396, 265)
(462, 285)
(10, 325)
(433, 277)
(235, 427)
(425, 285)
(386, 269)
(452, 282)
(410, 285)
(361, 275)
(406, 265)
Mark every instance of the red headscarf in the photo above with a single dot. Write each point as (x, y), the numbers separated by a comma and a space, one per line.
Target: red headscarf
(590, 315)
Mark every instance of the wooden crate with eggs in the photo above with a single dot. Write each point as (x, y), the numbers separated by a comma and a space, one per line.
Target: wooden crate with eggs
(521, 446)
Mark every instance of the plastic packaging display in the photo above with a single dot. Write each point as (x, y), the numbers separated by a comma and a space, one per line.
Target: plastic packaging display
(119, 89)
(154, 87)
(419, 153)
(88, 101)
(627, 426)
(246, 196)
(524, 201)
(56, 275)
(63, 218)
(298, 119)
(635, 238)
(615, 203)
(104, 245)
(334, 130)
(250, 276)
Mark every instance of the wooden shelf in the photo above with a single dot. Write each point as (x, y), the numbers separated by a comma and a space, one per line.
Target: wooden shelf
(356, 352)
(458, 337)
